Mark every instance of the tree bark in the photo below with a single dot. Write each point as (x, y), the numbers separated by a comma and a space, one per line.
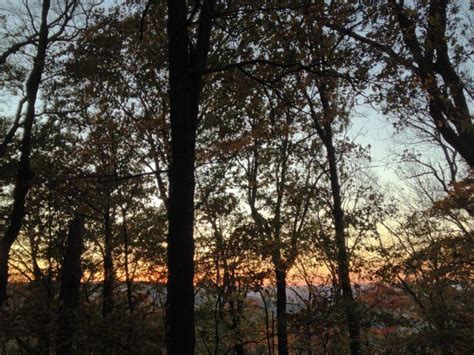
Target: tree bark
(349, 304)
(324, 131)
(186, 66)
(281, 312)
(268, 333)
(126, 249)
(128, 279)
(24, 173)
(108, 287)
(71, 274)
(273, 229)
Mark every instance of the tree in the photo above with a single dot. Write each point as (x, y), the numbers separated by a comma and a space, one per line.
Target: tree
(325, 132)
(421, 46)
(280, 181)
(186, 66)
(24, 174)
(71, 274)
(428, 259)
(326, 52)
(50, 31)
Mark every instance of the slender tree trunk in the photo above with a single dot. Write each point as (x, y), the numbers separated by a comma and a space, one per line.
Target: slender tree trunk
(24, 173)
(108, 288)
(219, 305)
(267, 324)
(281, 311)
(126, 241)
(71, 274)
(349, 304)
(235, 310)
(42, 284)
(128, 280)
(273, 228)
(324, 131)
(281, 265)
(238, 347)
(185, 75)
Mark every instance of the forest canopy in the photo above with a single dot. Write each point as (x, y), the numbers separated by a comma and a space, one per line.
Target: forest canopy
(236, 177)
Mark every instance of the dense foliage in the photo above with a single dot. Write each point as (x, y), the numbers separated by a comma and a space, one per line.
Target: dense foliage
(184, 178)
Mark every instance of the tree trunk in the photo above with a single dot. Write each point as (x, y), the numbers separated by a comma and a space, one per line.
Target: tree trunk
(180, 290)
(267, 324)
(108, 290)
(342, 257)
(235, 310)
(281, 312)
(185, 75)
(42, 283)
(24, 173)
(128, 279)
(71, 274)
(324, 131)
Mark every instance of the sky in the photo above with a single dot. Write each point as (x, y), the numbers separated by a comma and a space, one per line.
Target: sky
(369, 126)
